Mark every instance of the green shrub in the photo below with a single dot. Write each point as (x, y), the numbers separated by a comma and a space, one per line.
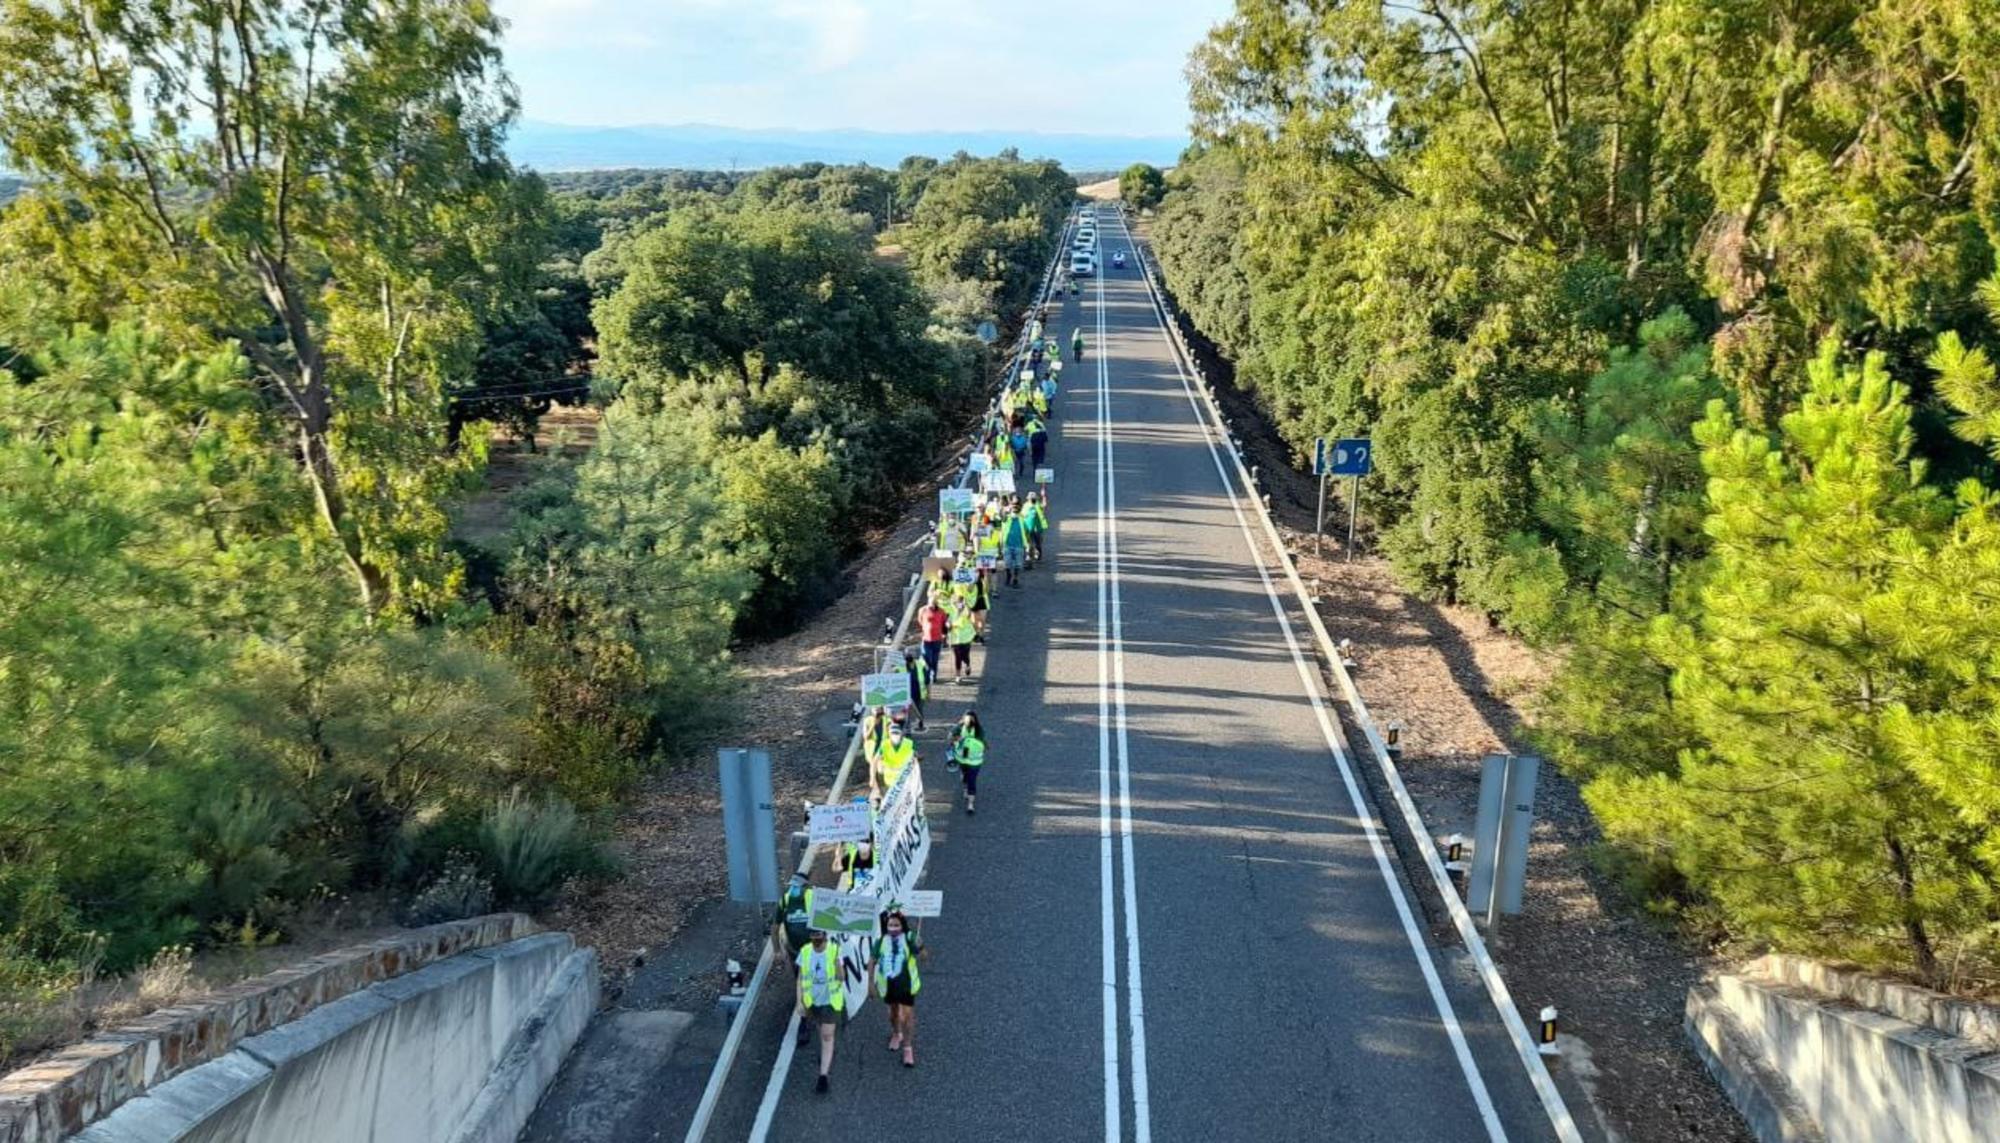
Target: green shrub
(528, 849)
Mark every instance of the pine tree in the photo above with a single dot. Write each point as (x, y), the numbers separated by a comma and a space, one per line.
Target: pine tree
(1815, 671)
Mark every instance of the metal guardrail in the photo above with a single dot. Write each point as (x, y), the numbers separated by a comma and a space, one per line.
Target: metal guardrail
(718, 1077)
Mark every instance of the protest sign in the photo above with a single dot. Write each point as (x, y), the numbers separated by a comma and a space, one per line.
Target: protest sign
(989, 562)
(954, 501)
(997, 480)
(855, 949)
(848, 821)
(1045, 476)
(980, 462)
(965, 575)
(890, 689)
(833, 912)
(923, 903)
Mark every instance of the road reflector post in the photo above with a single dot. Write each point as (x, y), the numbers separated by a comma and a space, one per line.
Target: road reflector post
(1392, 739)
(735, 983)
(1346, 649)
(1454, 860)
(1547, 1038)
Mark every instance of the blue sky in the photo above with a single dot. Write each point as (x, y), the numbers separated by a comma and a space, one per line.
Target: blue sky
(1112, 66)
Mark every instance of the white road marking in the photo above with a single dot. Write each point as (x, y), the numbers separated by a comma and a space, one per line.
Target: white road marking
(1425, 963)
(1114, 1102)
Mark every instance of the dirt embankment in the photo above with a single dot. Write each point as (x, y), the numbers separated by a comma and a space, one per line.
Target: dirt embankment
(1462, 689)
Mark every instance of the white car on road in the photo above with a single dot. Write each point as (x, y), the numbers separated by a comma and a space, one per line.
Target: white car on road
(1082, 264)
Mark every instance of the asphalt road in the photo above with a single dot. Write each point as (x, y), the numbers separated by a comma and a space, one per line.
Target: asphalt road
(1167, 920)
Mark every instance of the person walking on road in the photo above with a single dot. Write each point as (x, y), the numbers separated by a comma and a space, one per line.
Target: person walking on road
(931, 621)
(961, 633)
(1038, 523)
(1014, 541)
(897, 981)
(822, 997)
(897, 755)
(968, 749)
(918, 664)
(789, 931)
(1076, 344)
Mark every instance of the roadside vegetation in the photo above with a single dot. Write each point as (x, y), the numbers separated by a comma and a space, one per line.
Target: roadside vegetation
(1673, 325)
(248, 376)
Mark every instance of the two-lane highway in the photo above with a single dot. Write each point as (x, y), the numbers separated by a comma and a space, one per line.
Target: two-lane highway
(1174, 916)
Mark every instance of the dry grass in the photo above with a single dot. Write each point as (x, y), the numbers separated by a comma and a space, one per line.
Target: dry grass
(1106, 191)
(38, 1021)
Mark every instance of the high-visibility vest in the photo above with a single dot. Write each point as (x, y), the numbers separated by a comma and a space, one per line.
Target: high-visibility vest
(1003, 452)
(971, 751)
(1038, 521)
(962, 628)
(920, 677)
(1017, 532)
(896, 758)
(813, 961)
(909, 958)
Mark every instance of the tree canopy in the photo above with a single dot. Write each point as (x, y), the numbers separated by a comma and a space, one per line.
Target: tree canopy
(1670, 323)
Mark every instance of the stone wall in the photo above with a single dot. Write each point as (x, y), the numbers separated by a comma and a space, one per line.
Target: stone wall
(60, 1096)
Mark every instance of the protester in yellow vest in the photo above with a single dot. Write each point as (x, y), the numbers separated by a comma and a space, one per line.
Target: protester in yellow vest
(822, 996)
(895, 756)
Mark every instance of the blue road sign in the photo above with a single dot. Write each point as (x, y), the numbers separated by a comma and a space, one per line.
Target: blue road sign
(1319, 456)
(1352, 457)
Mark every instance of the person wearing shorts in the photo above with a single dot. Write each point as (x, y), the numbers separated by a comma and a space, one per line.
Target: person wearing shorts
(897, 981)
(822, 997)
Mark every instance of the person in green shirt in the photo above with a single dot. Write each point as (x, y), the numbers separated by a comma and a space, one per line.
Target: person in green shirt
(1076, 344)
(1038, 523)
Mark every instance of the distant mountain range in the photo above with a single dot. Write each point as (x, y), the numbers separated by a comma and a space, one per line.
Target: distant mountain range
(696, 146)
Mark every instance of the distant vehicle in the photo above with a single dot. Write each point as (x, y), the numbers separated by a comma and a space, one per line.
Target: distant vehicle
(1082, 264)
(1084, 240)
(1118, 260)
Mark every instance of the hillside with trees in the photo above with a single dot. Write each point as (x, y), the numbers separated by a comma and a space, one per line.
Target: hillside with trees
(248, 379)
(1673, 325)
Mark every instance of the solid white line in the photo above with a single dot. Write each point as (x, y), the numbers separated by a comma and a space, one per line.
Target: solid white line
(1142, 1115)
(1113, 1097)
(1425, 963)
(775, 1086)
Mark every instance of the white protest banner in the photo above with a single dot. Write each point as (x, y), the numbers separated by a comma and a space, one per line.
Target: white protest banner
(1045, 476)
(923, 903)
(848, 821)
(966, 575)
(855, 949)
(890, 689)
(997, 480)
(902, 838)
(980, 462)
(954, 501)
(833, 912)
